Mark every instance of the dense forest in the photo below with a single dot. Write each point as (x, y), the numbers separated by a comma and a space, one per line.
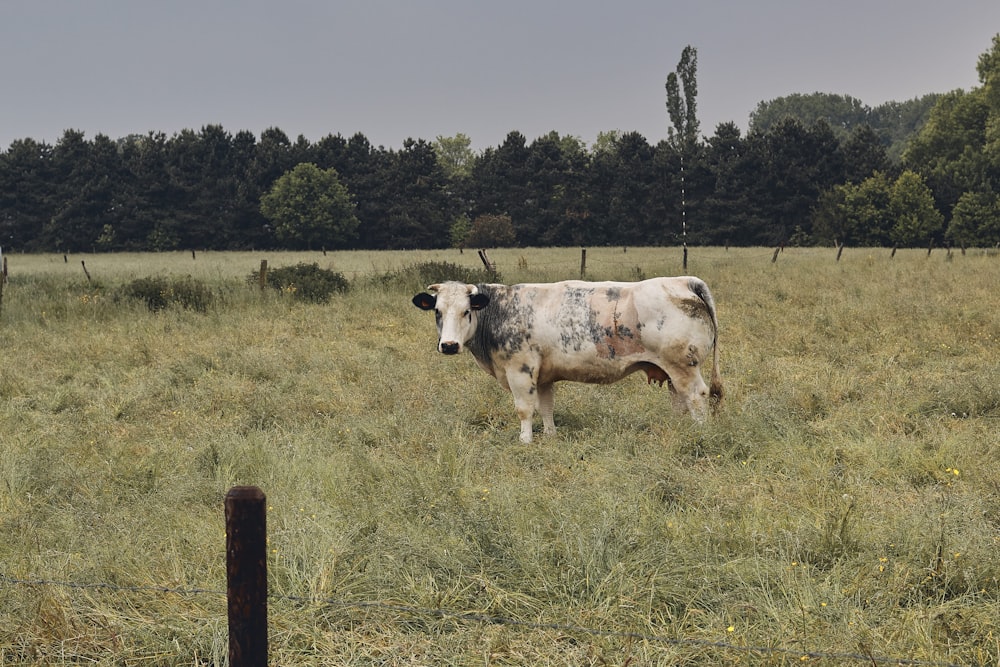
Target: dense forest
(811, 169)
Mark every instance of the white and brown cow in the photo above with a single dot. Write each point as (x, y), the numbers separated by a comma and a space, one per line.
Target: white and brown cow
(531, 336)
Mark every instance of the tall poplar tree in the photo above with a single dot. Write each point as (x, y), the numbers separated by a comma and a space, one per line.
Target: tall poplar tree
(682, 106)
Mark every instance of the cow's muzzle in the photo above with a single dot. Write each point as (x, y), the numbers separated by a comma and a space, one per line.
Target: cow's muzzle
(449, 348)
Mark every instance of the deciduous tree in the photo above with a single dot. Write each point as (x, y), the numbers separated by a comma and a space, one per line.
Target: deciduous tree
(975, 220)
(917, 222)
(455, 155)
(682, 103)
(310, 208)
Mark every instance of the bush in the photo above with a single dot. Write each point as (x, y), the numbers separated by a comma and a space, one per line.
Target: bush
(419, 276)
(160, 292)
(491, 231)
(305, 282)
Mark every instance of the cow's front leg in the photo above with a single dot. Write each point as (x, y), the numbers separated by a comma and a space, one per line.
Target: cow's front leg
(546, 405)
(522, 385)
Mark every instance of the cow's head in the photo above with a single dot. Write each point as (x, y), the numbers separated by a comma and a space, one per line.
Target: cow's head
(454, 305)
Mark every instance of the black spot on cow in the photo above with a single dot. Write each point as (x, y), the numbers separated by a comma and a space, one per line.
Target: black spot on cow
(504, 324)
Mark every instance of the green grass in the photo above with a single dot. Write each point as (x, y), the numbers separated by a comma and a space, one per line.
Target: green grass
(844, 501)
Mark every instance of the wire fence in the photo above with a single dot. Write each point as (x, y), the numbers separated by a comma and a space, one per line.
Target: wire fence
(607, 258)
(490, 619)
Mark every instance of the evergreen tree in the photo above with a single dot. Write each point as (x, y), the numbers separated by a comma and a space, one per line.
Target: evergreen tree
(26, 197)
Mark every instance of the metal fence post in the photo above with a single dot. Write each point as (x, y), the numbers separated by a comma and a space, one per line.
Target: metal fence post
(246, 576)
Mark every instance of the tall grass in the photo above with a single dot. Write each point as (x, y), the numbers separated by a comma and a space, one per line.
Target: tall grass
(844, 501)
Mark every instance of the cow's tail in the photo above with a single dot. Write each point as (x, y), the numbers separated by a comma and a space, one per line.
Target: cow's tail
(716, 391)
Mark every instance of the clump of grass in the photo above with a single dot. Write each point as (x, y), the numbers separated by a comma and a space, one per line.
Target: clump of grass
(305, 282)
(161, 292)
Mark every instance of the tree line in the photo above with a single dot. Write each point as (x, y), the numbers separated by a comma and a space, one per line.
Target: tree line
(916, 173)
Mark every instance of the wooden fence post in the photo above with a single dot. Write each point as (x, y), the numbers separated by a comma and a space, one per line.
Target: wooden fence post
(246, 576)
(583, 263)
(85, 271)
(490, 266)
(262, 278)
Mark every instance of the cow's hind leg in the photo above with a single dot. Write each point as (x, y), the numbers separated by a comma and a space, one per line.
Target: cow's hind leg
(526, 401)
(546, 405)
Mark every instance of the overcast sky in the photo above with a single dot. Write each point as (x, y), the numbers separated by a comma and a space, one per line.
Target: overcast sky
(393, 69)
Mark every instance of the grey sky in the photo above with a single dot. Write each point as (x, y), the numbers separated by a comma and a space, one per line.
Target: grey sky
(394, 69)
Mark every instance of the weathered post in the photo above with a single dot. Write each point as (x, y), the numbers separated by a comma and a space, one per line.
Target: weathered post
(583, 263)
(490, 266)
(262, 277)
(246, 576)
(85, 271)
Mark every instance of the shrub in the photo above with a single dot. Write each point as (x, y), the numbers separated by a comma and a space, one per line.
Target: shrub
(305, 282)
(160, 292)
(418, 276)
(491, 231)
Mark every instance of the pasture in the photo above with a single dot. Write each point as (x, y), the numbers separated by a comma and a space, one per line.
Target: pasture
(843, 507)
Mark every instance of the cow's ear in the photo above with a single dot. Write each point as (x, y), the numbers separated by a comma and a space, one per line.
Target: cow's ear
(479, 301)
(424, 301)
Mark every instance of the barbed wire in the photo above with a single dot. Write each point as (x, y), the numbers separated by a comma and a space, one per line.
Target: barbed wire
(108, 586)
(491, 619)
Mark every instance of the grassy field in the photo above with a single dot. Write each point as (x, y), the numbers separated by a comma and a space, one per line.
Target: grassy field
(843, 507)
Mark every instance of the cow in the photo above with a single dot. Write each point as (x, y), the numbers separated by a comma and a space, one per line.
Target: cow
(530, 336)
